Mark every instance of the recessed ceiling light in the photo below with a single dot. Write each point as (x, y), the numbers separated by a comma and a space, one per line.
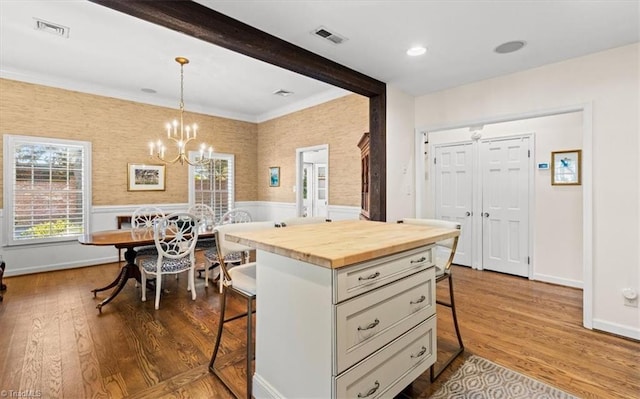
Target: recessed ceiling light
(510, 47)
(148, 90)
(416, 51)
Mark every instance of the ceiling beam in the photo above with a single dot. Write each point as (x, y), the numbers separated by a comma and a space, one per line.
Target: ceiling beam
(211, 26)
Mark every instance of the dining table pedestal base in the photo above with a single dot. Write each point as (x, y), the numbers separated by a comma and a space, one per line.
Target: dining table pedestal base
(129, 270)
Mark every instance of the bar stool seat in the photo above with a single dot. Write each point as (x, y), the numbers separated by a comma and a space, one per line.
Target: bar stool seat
(240, 280)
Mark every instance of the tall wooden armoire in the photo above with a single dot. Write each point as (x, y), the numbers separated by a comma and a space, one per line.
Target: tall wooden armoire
(365, 176)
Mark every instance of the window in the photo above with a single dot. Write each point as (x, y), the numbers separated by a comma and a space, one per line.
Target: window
(213, 184)
(46, 191)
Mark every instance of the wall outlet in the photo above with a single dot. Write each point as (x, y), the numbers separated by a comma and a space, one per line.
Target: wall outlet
(630, 297)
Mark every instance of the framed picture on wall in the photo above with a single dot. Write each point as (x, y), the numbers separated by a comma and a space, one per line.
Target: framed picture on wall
(142, 177)
(566, 168)
(274, 176)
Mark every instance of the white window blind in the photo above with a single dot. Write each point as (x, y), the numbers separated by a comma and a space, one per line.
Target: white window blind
(213, 184)
(46, 189)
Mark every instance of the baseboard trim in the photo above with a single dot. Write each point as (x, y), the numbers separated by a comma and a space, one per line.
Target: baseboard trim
(59, 266)
(557, 280)
(617, 329)
(262, 389)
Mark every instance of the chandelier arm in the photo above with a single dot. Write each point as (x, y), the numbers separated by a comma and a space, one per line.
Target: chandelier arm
(174, 160)
(179, 138)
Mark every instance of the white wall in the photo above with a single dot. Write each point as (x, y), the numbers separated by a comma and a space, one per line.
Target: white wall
(610, 82)
(400, 155)
(557, 210)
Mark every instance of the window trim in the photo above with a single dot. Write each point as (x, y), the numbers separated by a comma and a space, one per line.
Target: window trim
(9, 176)
(193, 156)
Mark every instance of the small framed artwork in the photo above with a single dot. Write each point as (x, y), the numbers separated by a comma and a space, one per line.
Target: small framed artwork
(274, 176)
(143, 177)
(566, 168)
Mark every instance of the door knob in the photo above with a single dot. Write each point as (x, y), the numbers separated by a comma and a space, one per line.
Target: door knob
(486, 214)
(468, 213)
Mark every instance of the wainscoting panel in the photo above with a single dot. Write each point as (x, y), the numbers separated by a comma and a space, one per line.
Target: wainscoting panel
(27, 259)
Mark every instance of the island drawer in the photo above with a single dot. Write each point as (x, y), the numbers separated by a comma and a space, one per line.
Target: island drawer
(368, 322)
(388, 371)
(358, 279)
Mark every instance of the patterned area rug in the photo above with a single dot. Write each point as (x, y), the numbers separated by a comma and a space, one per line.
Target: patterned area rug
(479, 378)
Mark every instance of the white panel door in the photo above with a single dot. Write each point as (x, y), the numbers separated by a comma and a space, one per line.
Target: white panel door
(308, 189)
(321, 190)
(453, 194)
(505, 205)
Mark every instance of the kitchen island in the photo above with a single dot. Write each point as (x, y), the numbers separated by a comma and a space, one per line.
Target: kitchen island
(345, 309)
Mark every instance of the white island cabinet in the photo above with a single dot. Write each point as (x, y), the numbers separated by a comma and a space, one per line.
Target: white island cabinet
(345, 309)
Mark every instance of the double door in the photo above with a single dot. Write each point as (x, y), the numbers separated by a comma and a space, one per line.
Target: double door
(485, 187)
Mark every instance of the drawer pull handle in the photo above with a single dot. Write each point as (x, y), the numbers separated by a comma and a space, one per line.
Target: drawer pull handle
(370, 326)
(370, 277)
(420, 300)
(371, 391)
(422, 352)
(419, 260)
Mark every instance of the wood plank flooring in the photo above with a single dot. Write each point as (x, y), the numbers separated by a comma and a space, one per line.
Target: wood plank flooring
(54, 341)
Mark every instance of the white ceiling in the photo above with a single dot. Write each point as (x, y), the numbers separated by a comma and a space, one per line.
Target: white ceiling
(109, 53)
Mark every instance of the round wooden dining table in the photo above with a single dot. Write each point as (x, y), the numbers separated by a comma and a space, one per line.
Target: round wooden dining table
(127, 239)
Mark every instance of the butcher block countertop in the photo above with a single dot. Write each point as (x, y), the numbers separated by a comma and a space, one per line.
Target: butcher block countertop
(342, 243)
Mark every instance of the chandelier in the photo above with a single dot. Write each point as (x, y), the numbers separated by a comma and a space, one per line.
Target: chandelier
(180, 134)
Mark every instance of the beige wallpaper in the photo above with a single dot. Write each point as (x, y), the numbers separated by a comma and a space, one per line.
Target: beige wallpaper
(120, 132)
(339, 123)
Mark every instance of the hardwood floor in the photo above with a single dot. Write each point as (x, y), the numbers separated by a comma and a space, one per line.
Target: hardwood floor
(53, 341)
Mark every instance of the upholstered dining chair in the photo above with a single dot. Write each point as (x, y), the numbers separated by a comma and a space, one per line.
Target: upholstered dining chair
(175, 239)
(142, 218)
(303, 220)
(240, 280)
(211, 255)
(206, 217)
(443, 272)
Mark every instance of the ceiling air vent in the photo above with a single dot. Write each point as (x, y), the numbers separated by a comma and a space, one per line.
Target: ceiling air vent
(56, 29)
(330, 36)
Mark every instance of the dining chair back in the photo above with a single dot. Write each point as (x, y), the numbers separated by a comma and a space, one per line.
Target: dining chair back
(204, 213)
(443, 272)
(242, 281)
(211, 255)
(175, 238)
(207, 217)
(144, 216)
(142, 219)
(235, 216)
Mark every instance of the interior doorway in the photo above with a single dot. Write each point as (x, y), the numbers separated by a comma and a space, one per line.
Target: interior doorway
(312, 181)
(496, 191)
(568, 261)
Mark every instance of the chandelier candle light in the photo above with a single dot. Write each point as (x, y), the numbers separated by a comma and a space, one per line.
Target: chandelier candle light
(179, 133)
